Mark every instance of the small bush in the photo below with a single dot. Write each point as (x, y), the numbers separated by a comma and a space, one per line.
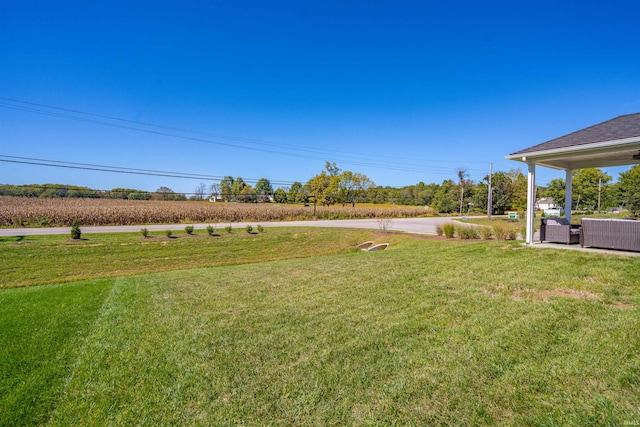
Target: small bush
(260, 228)
(512, 233)
(500, 231)
(144, 232)
(211, 230)
(466, 232)
(168, 233)
(439, 230)
(76, 233)
(228, 228)
(249, 229)
(486, 233)
(505, 231)
(189, 229)
(449, 230)
(523, 232)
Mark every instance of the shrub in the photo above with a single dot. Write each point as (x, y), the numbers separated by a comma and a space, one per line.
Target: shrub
(189, 229)
(466, 232)
(449, 230)
(76, 233)
(439, 230)
(505, 231)
(486, 233)
(211, 230)
(168, 233)
(500, 231)
(144, 232)
(260, 228)
(249, 229)
(523, 232)
(512, 233)
(228, 228)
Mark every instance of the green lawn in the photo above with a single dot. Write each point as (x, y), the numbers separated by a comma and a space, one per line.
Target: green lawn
(425, 333)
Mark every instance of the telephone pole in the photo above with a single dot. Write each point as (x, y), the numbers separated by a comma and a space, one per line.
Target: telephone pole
(599, 191)
(490, 195)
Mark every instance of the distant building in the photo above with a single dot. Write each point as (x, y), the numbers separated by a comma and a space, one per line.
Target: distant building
(546, 203)
(214, 199)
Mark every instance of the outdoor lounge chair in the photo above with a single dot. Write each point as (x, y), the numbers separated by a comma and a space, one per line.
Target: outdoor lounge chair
(559, 230)
(620, 234)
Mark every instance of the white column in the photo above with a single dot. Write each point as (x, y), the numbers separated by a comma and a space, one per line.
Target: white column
(568, 196)
(531, 202)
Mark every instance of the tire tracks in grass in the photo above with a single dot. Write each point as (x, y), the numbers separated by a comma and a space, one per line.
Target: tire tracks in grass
(82, 351)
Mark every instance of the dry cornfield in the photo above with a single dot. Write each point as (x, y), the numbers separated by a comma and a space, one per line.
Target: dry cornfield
(26, 212)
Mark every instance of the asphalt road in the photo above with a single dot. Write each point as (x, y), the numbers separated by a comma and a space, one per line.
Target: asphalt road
(411, 225)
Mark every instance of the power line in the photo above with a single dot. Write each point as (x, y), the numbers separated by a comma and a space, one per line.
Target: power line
(118, 169)
(361, 160)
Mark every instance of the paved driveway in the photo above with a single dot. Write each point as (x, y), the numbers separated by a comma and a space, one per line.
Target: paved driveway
(411, 225)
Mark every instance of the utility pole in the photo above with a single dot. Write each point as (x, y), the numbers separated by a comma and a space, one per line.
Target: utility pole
(599, 191)
(490, 195)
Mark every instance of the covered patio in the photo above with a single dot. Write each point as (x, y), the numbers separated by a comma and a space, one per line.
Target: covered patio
(615, 142)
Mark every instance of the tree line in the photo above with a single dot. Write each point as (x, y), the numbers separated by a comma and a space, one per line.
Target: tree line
(593, 189)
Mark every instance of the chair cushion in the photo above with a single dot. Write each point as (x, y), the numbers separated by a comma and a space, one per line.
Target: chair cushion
(558, 221)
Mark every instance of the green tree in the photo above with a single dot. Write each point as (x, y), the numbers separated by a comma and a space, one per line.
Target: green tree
(444, 200)
(352, 185)
(280, 195)
(236, 188)
(319, 187)
(464, 184)
(226, 187)
(519, 190)
(295, 193)
(556, 189)
(629, 189)
(590, 187)
(263, 189)
(247, 194)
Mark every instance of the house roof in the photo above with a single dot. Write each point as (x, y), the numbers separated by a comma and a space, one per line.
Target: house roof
(546, 200)
(610, 143)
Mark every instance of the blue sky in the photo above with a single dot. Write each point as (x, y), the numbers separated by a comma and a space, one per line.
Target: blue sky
(402, 91)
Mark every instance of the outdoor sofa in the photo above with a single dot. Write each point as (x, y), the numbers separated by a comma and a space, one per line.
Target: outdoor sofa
(559, 230)
(621, 234)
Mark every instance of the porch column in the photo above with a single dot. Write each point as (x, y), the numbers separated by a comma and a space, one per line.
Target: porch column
(531, 202)
(568, 194)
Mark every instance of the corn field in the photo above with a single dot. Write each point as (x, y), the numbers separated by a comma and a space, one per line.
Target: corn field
(35, 212)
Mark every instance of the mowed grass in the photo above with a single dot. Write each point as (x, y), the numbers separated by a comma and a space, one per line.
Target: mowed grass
(37, 260)
(425, 333)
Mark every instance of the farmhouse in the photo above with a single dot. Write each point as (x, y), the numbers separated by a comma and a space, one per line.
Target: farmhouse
(615, 142)
(546, 203)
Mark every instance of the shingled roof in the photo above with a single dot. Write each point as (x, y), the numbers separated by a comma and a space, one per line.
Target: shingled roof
(615, 142)
(622, 127)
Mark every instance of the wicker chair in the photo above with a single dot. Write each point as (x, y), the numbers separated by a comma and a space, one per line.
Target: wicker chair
(559, 230)
(621, 234)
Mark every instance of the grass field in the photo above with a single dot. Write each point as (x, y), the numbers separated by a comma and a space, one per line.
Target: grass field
(425, 333)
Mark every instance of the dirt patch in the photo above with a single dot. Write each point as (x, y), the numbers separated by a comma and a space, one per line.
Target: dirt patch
(621, 306)
(566, 293)
(528, 294)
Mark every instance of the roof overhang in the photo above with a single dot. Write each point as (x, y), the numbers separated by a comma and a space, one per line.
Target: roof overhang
(594, 155)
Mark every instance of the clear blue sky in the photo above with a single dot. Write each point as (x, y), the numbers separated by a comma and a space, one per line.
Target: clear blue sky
(403, 91)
